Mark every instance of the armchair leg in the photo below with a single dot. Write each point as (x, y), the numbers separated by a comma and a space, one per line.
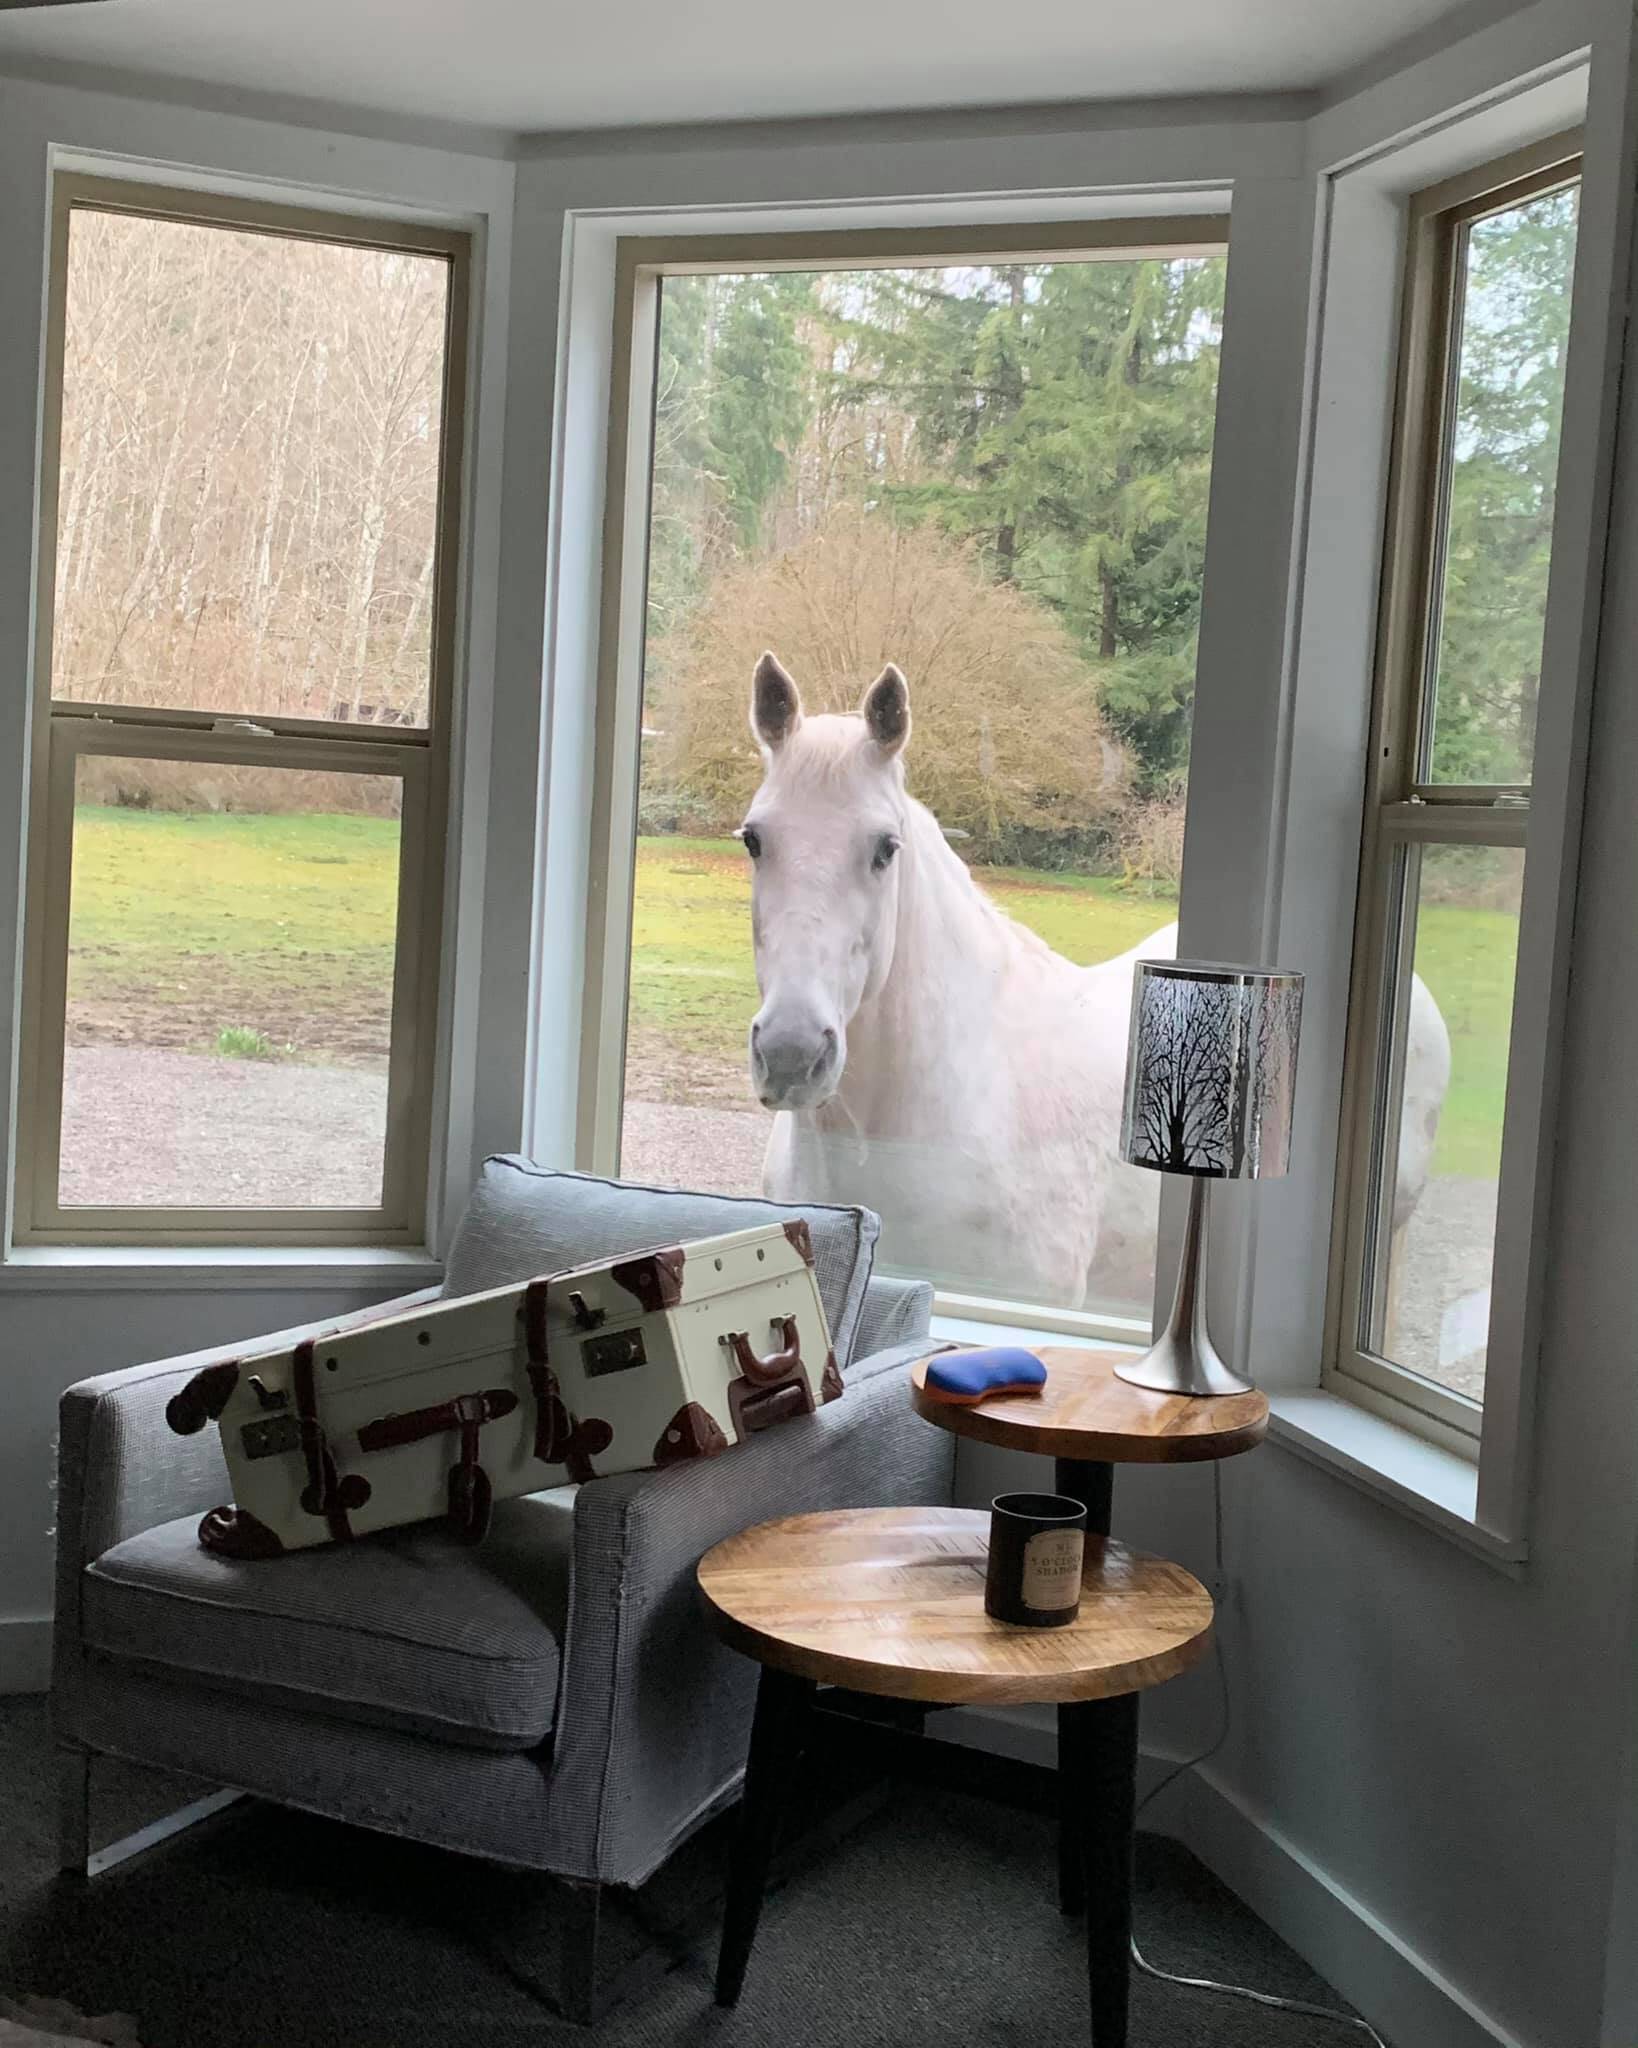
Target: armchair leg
(74, 1812)
(577, 1970)
(75, 1855)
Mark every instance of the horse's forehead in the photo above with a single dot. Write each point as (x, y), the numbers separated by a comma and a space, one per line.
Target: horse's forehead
(829, 768)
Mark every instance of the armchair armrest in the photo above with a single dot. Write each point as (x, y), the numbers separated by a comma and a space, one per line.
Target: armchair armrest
(895, 1312)
(121, 1469)
(653, 1712)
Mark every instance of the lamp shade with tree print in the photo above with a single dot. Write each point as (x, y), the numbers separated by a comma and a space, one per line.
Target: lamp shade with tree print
(1211, 1069)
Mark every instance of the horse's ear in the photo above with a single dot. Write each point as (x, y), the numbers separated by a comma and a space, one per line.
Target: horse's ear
(887, 709)
(776, 703)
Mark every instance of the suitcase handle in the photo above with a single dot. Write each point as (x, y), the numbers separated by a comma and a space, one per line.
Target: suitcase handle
(778, 1365)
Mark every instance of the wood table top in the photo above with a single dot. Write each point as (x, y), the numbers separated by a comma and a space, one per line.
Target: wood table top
(1084, 1412)
(891, 1601)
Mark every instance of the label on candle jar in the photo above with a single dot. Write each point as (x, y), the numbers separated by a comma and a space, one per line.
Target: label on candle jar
(1052, 1569)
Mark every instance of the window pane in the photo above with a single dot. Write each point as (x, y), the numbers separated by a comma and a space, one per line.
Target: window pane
(247, 508)
(1432, 1308)
(995, 477)
(231, 942)
(1515, 320)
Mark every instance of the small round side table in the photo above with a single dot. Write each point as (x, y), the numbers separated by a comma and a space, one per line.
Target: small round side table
(1089, 1422)
(891, 1601)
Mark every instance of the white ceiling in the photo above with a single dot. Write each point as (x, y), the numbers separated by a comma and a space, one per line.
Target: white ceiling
(533, 64)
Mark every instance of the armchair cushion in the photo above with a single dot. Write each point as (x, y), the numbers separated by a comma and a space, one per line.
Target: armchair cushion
(409, 1631)
(525, 1219)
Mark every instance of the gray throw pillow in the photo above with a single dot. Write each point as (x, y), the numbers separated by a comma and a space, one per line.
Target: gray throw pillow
(524, 1220)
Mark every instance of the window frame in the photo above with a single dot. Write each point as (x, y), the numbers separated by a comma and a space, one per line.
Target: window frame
(1404, 813)
(64, 731)
(641, 263)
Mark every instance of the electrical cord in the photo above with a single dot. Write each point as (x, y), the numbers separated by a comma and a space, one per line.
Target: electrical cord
(1193, 1763)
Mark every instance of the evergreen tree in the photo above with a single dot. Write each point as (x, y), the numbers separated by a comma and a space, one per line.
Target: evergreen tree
(1064, 417)
(1509, 400)
(734, 387)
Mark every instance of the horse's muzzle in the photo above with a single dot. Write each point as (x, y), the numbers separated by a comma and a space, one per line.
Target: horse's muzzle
(794, 1066)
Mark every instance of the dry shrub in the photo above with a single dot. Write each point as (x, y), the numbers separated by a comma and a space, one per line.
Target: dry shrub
(1009, 744)
(135, 783)
(1149, 840)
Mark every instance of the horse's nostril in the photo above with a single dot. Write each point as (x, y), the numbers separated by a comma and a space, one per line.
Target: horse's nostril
(756, 1033)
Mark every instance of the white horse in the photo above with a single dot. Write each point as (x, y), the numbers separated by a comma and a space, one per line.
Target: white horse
(929, 1056)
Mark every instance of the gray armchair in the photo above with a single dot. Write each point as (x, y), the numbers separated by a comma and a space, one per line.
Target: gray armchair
(548, 1700)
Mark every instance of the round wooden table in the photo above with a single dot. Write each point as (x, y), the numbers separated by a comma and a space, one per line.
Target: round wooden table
(891, 1601)
(1089, 1422)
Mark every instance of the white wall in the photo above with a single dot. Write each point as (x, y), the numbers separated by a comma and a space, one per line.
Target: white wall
(53, 1329)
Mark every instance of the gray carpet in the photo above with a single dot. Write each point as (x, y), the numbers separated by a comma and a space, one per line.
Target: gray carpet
(933, 1922)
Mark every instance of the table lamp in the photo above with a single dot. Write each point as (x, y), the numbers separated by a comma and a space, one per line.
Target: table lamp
(1211, 1068)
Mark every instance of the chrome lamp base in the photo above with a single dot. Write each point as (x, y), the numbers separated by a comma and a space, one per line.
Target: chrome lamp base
(1183, 1359)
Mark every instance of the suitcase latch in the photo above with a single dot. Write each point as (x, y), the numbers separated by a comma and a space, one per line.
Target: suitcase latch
(272, 1437)
(619, 1351)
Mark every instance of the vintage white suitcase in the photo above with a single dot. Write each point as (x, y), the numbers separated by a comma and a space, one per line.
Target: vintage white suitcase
(646, 1360)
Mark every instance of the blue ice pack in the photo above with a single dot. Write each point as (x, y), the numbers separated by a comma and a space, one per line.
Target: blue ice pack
(967, 1376)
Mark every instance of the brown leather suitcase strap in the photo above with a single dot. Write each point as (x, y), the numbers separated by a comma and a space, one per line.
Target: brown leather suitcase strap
(470, 1495)
(542, 1380)
(466, 1411)
(326, 1492)
(559, 1438)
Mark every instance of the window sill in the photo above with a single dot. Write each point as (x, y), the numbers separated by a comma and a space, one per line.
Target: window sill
(1435, 1487)
(1033, 1336)
(121, 1269)
(1392, 1464)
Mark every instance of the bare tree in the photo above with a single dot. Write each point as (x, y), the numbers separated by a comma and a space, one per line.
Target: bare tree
(249, 474)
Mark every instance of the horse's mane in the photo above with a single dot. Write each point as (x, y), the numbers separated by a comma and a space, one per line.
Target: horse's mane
(942, 858)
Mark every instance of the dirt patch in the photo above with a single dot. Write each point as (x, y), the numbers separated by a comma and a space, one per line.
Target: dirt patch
(323, 1014)
(657, 1073)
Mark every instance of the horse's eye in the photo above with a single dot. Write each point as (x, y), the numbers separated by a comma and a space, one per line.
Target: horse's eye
(751, 840)
(886, 847)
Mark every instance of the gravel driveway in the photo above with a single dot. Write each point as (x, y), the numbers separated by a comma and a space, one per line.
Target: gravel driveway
(145, 1125)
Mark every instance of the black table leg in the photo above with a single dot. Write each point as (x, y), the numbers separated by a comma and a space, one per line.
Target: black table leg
(783, 1704)
(1098, 1770)
(1093, 1486)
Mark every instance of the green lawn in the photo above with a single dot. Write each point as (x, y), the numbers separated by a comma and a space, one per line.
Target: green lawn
(186, 927)
(693, 989)
(1466, 958)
